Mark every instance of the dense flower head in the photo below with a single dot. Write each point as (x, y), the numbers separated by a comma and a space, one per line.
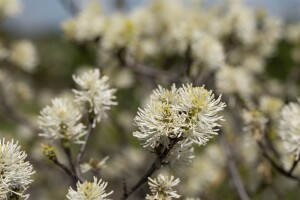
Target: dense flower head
(185, 113)
(15, 172)
(61, 120)
(89, 191)
(289, 128)
(96, 92)
(162, 188)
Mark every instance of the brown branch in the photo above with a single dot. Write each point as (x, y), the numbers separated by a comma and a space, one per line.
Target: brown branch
(233, 170)
(277, 166)
(158, 162)
(83, 147)
(65, 169)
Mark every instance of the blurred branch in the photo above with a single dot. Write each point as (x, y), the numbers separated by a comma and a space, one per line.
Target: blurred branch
(145, 70)
(70, 6)
(120, 4)
(278, 167)
(233, 170)
(12, 114)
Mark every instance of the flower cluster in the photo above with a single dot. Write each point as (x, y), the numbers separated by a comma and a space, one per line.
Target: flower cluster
(186, 113)
(62, 119)
(96, 92)
(89, 191)
(162, 188)
(15, 172)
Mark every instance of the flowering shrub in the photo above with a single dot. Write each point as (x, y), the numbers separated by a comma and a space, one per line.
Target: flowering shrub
(195, 86)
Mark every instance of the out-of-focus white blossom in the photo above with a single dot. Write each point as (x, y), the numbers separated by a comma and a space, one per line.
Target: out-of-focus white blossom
(61, 120)
(24, 55)
(9, 7)
(293, 33)
(253, 63)
(89, 191)
(255, 123)
(162, 188)
(187, 113)
(207, 51)
(270, 106)
(235, 80)
(181, 155)
(206, 172)
(95, 91)
(87, 26)
(15, 172)
(289, 128)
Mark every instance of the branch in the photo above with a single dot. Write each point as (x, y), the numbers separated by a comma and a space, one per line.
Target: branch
(232, 168)
(278, 167)
(65, 169)
(83, 147)
(158, 162)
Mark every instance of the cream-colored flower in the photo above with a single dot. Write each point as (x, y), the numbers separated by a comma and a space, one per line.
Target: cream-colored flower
(89, 191)
(15, 172)
(61, 120)
(162, 188)
(95, 91)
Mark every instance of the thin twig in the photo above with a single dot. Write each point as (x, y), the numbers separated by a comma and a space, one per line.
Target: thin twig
(233, 171)
(65, 169)
(158, 162)
(83, 148)
(276, 166)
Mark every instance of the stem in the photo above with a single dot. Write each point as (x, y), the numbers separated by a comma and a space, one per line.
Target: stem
(233, 171)
(66, 169)
(67, 150)
(295, 163)
(278, 167)
(158, 162)
(83, 147)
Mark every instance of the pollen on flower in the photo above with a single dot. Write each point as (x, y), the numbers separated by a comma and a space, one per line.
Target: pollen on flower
(61, 120)
(162, 187)
(89, 191)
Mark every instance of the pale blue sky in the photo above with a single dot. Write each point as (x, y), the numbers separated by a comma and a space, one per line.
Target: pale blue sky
(42, 16)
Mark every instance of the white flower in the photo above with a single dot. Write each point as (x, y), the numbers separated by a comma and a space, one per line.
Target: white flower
(24, 55)
(9, 7)
(235, 80)
(61, 121)
(162, 188)
(89, 191)
(289, 127)
(200, 110)
(15, 172)
(95, 91)
(189, 113)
